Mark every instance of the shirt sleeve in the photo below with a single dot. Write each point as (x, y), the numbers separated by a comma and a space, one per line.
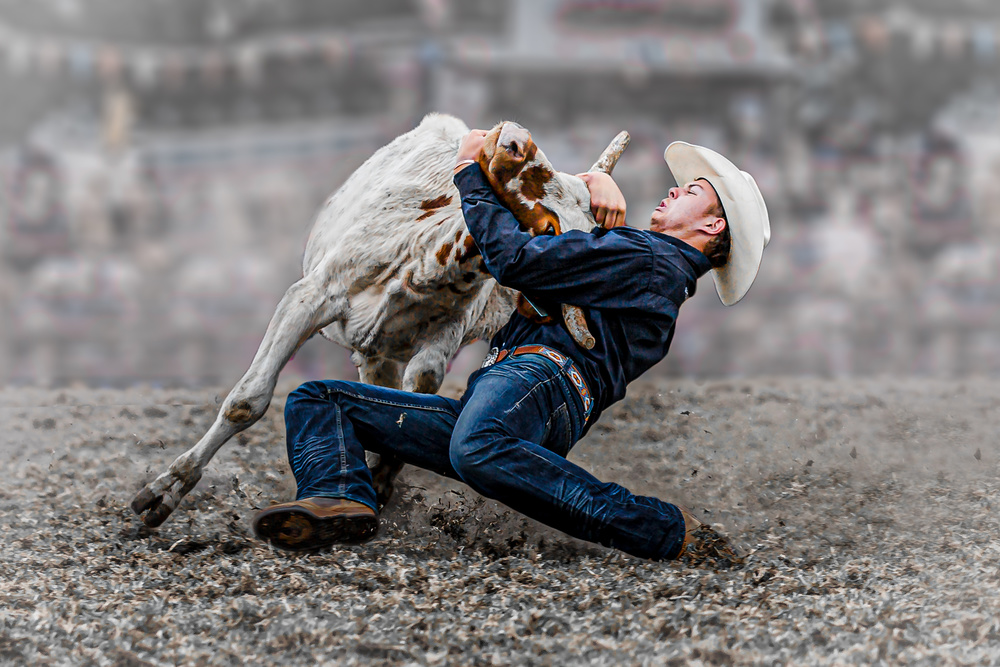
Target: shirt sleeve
(602, 269)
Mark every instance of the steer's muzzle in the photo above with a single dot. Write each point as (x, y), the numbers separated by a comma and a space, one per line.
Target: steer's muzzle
(514, 140)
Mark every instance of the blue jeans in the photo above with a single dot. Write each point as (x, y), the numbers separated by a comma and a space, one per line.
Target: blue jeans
(507, 438)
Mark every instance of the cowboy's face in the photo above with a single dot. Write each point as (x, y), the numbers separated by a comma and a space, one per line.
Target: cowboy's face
(685, 209)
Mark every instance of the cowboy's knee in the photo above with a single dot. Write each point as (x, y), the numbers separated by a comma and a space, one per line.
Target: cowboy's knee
(470, 456)
(326, 391)
(309, 392)
(337, 390)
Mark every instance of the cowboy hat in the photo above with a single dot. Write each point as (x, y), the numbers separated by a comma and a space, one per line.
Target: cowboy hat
(745, 212)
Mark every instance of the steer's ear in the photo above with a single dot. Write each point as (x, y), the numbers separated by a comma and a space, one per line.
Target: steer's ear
(609, 158)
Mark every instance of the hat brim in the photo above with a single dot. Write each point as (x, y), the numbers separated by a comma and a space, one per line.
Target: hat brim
(746, 213)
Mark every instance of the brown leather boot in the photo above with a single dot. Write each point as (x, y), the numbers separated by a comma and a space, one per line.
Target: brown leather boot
(691, 524)
(314, 523)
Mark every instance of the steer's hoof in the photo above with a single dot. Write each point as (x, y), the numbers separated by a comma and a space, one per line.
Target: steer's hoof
(162, 496)
(383, 481)
(383, 494)
(384, 472)
(152, 504)
(157, 515)
(144, 500)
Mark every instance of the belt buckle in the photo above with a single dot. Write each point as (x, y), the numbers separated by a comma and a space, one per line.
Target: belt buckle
(491, 358)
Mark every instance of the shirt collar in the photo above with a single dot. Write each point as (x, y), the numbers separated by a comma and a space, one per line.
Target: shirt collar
(699, 263)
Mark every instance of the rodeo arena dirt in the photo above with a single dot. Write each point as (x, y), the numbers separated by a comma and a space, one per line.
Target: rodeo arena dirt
(851, 522)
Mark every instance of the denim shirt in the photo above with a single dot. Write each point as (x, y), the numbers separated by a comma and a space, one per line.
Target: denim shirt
(629, 282)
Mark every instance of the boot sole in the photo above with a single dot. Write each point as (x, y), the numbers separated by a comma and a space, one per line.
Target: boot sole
(297, 529)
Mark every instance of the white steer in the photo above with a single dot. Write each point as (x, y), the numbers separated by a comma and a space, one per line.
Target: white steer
(391, 272)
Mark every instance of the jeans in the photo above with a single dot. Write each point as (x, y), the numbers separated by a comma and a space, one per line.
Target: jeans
(507, 438)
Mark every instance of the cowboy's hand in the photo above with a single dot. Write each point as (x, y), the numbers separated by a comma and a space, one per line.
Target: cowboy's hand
(471, 147)
(606, 200)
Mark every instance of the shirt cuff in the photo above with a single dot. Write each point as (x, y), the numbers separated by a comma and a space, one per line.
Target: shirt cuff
(472, 181)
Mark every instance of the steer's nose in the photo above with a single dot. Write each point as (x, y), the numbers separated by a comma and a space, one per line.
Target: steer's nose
(514, 139)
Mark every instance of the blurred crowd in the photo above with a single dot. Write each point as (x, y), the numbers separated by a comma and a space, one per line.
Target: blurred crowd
(161, 165)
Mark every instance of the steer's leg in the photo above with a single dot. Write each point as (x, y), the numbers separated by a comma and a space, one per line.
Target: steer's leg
(303, 310)
(398, 294)
(425, 372)
(381, 372)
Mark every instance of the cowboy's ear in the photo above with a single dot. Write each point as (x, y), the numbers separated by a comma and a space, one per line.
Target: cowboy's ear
(713, 226)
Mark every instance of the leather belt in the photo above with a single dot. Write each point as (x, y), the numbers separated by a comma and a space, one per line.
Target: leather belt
(575, 377)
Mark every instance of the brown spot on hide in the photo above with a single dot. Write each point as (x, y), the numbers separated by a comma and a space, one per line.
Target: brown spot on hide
(432, 206)
(241, 412)
(437, 202)
(533, 180)
(469, 249)
(529, 153)
(442, 253)
(458, 235)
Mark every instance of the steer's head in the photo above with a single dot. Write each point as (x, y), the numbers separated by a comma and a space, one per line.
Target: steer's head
(543, 200)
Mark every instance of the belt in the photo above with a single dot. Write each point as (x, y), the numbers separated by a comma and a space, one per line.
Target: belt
(574, 375)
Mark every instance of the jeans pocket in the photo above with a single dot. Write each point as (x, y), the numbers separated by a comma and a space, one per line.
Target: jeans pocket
(558, 436)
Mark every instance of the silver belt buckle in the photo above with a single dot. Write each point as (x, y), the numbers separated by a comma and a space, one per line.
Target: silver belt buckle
(491, 358)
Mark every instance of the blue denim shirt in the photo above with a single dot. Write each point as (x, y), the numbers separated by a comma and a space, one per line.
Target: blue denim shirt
(629, 282)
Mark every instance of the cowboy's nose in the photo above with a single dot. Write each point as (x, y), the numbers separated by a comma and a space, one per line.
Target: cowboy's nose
(673, 192)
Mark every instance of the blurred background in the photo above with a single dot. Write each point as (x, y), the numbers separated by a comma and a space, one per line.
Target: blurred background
(161, 163)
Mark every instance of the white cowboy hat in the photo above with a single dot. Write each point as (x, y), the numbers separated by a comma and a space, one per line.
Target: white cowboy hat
(745, 210)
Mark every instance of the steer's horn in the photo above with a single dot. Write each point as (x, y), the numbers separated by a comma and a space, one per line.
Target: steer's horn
(576, 322)
(609, 158)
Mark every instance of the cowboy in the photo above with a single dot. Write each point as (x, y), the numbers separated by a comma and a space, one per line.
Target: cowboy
(538, 392)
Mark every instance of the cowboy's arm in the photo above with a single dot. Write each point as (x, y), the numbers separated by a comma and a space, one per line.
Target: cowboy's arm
(579, 268)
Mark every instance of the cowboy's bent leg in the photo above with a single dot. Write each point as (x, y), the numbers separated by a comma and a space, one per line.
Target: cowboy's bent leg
(510, 442)
(330, 424)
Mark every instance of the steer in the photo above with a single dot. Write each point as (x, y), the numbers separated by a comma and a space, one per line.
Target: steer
(391, 273)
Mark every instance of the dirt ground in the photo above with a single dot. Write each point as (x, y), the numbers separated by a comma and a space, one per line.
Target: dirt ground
(862, 510)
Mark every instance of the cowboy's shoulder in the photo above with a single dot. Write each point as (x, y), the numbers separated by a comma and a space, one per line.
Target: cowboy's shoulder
(670, 274)
(674, 273)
